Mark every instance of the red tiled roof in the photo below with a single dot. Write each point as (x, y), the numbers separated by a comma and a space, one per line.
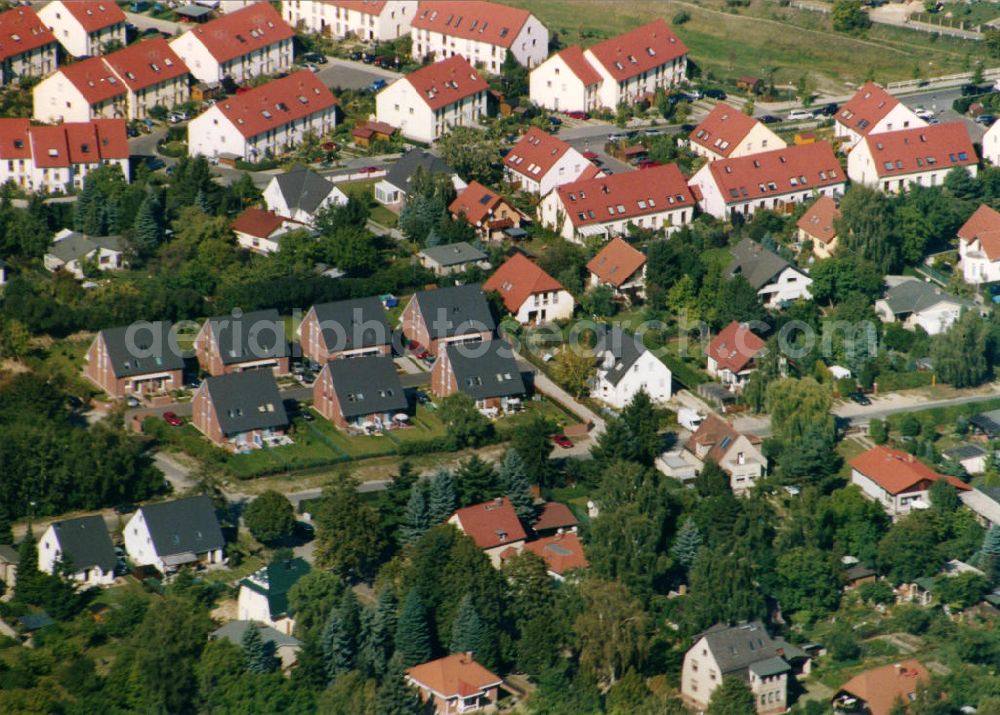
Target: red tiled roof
(446, 82)
(984, 225)
(881, 688)
(147, 63)
(535, 154)
(723, 129)
(368, 7)
(113, 138)
(476, 202)
(866, 108)
(734, 347)
(257, 222)
(492, 523)
(22, 31)
(616, 262)
(95, 15)
(639, 50)
(580, 65)
(555, 515)
(94, 79)
(771, 173)
(78, 143)
(477, 20)
(630, 194)
(518, 279)
(817, 221)
(48, 146)
(561, 552)
(239, 33)
(453, 675)
(712, 433)
(911, 151)
(14, 143)
(277, 103)
(371, 128)
(897, 471)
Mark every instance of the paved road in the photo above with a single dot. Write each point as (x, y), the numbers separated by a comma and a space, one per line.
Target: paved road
(175, 471)
(145, 21)
(881, 408)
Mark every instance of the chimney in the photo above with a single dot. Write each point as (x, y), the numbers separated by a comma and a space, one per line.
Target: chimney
(498, 501)
(899, 669)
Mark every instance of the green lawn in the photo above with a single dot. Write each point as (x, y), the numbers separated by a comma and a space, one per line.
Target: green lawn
(382, 215)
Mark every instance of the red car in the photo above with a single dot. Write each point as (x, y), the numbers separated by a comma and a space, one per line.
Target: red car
(369, 170)
(423, 354)
(562, 440)
(578, 115)
(648, 164)
(172, 419)
(590, 155)
(413, 345)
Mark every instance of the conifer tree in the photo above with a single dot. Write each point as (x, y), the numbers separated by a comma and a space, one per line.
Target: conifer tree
(395, 697)
(6, 533)
(258, 660)
(441, 502)
(148, 226)
(477, 481)
(336, 646)
(413, 640)
(685, 547)
(513, 477)
(415, 519)
(989, 554)
(467, 631)
(379, 634)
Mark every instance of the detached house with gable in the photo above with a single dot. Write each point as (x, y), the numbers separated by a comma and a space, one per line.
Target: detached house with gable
(529, 293)
(540, 162)
(624, 367)
(729, 133)
(738, 454)
(85, 27)
(171, 534)
(979, 246)
(392, 189)
(298, 195)
(494, 526)
(27, 46)
(486, 372)
(776, 281)
(378, 20)
(362, 394)
(240, 411)
(139, 359)
(455, 684)
(263, 596)
(897, 480)
(621, 267)
(245, 341)
(486, 210)
(345, 329)
(914, 302)
(72, 252)
(872, 110)
(455, 314)
(83, 546)
(732, 354)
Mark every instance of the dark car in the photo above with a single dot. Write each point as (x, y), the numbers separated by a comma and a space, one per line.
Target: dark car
(555, 121)
(151, 31)
(687, 128)
(124, 508)
(307, 416)
(986, 119)
(368, 58)
(714, 94)
(860, 398)
(315, 57)
(827, 110)
(769, 119)
(355, 56)
(377, 85)
(132, 132)
(74, 402)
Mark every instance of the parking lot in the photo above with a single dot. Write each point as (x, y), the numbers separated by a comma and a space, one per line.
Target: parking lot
(345, 74)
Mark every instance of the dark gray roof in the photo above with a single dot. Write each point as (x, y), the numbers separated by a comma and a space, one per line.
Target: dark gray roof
(770, 666)
(738, 647)
(626, 349)
(857, 571)
(485, 370)
(352, 324)
(304, 189)
(453, 254)
(245, 401)
(913, 295)
(402, 171)
(755, 263)
(75, 245)
(455, 310)
(275, 580)
(964, 451)
(141, 348)
(235, 630)
(988, 422)
(251, 336)
(85, 542)
(367, 386)
(183, 526)
(35, 621)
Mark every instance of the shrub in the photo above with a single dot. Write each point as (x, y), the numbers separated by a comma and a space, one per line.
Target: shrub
(681, 17)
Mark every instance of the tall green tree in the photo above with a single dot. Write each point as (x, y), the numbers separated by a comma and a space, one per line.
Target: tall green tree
(148, 228)
(960, 354)
(348, 537)
(442, 498)
(413, 639)
(798, 405)
(415, 520)
(531, 441)
(808, 580)
(686, 545)
(477, 481)
(270, 517)
(338, 656)
(513, 477)
(865, 227)
(378, 639)
(467, 632)
(395, 697)
(733, 697)
(466, 425)
(255, 653)
(723, 589)
(611, 630)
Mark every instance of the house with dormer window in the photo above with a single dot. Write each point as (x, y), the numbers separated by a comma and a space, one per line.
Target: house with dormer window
(85, 27)
(732, 354)
(539, 162)
(171, 534)
(373, 20)
(529, 293)
(243, 341)
(345, 329)
(979, 246)
(494, 526)
(727, 132)
(140, 359)
(240, 411)
(486, 372)
(455, 314)
(872, 110)
(27, 46)
(486, 210)
(363, 394)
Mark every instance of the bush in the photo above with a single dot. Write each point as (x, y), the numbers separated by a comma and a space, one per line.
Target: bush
(909, 426)
(681, 17)
(877, 592)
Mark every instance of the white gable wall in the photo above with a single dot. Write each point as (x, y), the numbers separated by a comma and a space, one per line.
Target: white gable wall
(553, 85)
(647, 373)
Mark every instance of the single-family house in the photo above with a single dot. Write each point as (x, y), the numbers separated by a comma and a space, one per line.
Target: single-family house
(241, 45)
(728, 133)
(566, 82)
(240, 411)
(554, 518)
(362, 393)
(732, 355)
(392, 188)
(539, 162)
(872, 110)
(152, 74)
(493, 525)
(624, 367)
(562, 554)
(971, 457)
(263, 595)
(241, 342)
(80, 549)
(816, 225)
(483, 32)
(738, 454)
(486, 211)
(486, 372)
(27, 46)
(170, 534)
(138, 359)
(529, 293)
(433, 318)
(73, 252)
(991, 144)
(299, 194)
(897, 480)
(979, 246)
(284, 647)
(776, 281)
(260, 230)
(448, 258)
(986, 423)
(775, 180)
(620, 267)
(455, 684)
(877, 691)
(85, 28)
(427, 102)
(657, 198)
(345, 329)
(372, 20)
(984, 503)
(914, 302)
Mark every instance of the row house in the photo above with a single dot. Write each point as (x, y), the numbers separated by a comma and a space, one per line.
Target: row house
(625, 367)
(620, 267)
(872, 110)
(729, 133)
(265, 121)
(776, 281)
(79, 548)
(85, 27)
(240, 411)
(241, 45)
(363, 394)
(566, 82)
(818, 225)
(485, 210)
(897, 480)
(171, 534)
(486, 372)
(539, 162)
(431, 100)
(530, 294)
(454, 314)
(979, 246)
(27, 46)
(153, 75)
(482, 32)
(373, 20)
(243, 342)
(345, 329)
(139, 359)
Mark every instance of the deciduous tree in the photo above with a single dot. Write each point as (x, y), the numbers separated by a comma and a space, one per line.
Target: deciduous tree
(611, 630)
(270, 517)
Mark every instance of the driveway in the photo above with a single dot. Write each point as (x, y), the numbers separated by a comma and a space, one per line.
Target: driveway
(546, 386)
(175, 471)
(345, 74)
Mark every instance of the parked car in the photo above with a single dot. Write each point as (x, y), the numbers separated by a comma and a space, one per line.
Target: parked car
(860, 398)
(769, 119)
(614, 138)
(562, 440)
(800, 115)
(714, 94)
(355, 56)
(176, 117)
(132, 401)
(132, 132)
(315, 57)
(369, 170)
(311, 67)
(923, 113)
(172, 419)
(827, 110)
(124, 508)
(377, 85)
(648, 163)
(986, 119)
(555, 121)
(368, 58)
(970, 90)
(578, 115)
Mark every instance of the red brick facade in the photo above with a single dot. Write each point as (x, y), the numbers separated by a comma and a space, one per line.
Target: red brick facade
(315, 348)
(415, 328)
(203, 416)
(325, 399)
(100, 371)
(207, 349)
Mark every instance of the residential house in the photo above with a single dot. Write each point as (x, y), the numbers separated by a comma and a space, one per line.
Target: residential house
(732, 355)
(872, 110)
(878, 690)
(986, 423)
(455, 684)
(991, 144)
(248, 43)
(539, 162)
(892, 161)
(240, 411)
(152, 75)
(971, 457)
(243, 341)
(9, 559)
(80, 92)
(427, 102)
(482, 32)
(260, 231)
(265, 121)
(979, 246)
(170, 534)
(72, 252)
(461, 314)
(391, 189)
(27, 46)
(896, 480)
(624, 367)
(284, 647)
(747, 652)
(345, 329)
(776, 281)
(816, 225)
(923, 589)
(620, 267)
(554, 518)
(562, 553)
(917, 303)
(85, 27)
(363, 394)
(373, 20)
(529, 293)
(738, 454)
(984, 503)
(486, 372)
(728, 133)
(300, 194)
(79, 548)
(494, 526)
(263, 595)
(774, 180)
(486, 210)
(657, 198)
(449, 258)
(566, 82)
(138, 359)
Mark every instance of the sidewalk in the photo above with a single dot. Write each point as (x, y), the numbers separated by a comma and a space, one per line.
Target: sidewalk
(546, 386)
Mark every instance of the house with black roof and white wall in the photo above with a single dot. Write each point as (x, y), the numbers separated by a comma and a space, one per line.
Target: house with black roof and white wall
(79, 548)
(71, 251)
(299, 194)
(243, 341)
(913, 302)
(364, 393)
(392, 189)
(776, 280)
(345, 329)
(140, 359)
(240, 411)
(624, 367)
(171, 534)
(263, 595)
(486, 372)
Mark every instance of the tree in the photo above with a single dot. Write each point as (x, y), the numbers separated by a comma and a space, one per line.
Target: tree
(311, 599)
(467, 632)
(712, 481)
(878, 431)
(623, 546)
(737, 300)
(270, 517)
(531, 589)
(797, 405)
(413, 640)
(348, 537)
(513, 478)
(643, 420)
(960, 354)
(865, 226)
(255, 652)
(960, 184)
(722, 590)
(574, 368)
(477, 481)
(378, 637)
(808, 580)
(733, 697)
(685, 547)
(338, 655)
(989, 554)
(599, 302)
(611, 630)
(848, 16)
(442, 500)
(944, 497)
(6, 532)
(466, 425)
(909, 549)
(147, 230)
(395, 697)
(472, 154)
(531, 440)
(415, 521)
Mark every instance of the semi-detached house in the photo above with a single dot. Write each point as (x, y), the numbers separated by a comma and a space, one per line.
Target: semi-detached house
(728, 133)
(378, 20)
(529, 293)
(540, 162)
(85, 27)
(872, 110)
(27, 46)
(979, 246)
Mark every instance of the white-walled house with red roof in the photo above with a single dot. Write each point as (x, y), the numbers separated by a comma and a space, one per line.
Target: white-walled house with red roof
(897, 480)
(482, 32)
(431, 100)
(265, 121)
(991, 144)
(529, 293)
(153, 75)
(379, 20)
(540, 162)
(27, 46)
(248, 43)
(732, 354)
(729, 133)
(85, 27)
(979, 246)
(872, 110)
(566, 82)
(494, 526)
